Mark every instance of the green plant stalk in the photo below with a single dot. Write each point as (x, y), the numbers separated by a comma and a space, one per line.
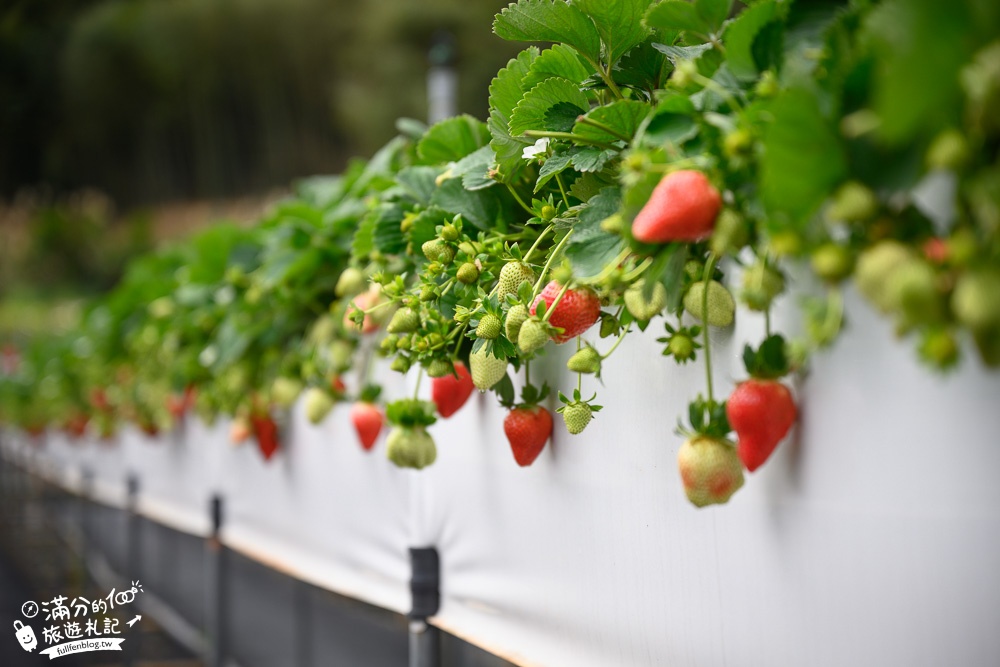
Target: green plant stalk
(579, 376)
(548, 263)
(555, 302)
(610, 268)
(420, 377)
(534, 245)
(709, 269)
(519, 200)
(562, 190)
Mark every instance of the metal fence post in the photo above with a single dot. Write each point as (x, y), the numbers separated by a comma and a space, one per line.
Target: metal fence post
(215, 583)
(133, 548)
(425, 587)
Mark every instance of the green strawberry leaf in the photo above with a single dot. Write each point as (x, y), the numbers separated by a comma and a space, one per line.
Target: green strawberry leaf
(591, 248)
(474, 169)
(619, 23)
(713, 12)
(559, 61)
(679, 53)
(803, 158)
(530, 112)
(364, 239)
(561, 117)
(483, 208)
(506, 90)
(387, 236)
(617, 121)
(677, 15)
(591, 158)
(549, 21)
(643, 68)
(418, 182)
(741, 33)
(452, 139)
(554, 164)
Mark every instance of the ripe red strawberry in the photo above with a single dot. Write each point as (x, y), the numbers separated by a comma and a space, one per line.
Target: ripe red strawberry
(527, 429)
(266, 431)
(367, 419)
(683, 207)
(761, 412)
(239, 431)
(576, 312)
(450, 393)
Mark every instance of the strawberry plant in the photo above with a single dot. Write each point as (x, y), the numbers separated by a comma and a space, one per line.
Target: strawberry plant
(645, 160)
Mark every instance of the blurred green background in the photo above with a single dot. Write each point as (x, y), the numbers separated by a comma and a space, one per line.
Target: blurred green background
(114, 113)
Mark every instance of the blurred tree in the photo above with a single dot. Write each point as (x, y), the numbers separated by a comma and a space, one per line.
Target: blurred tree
(162, 99)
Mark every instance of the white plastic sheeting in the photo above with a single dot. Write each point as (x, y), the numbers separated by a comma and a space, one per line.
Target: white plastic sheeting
(871, 537)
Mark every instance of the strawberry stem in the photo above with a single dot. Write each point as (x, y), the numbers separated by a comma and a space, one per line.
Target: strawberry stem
(709, 270)
(555, 302)
(534, 245)
(519, 200)
(416, 390)
(548, 264)
(562, 190)
(579, 376)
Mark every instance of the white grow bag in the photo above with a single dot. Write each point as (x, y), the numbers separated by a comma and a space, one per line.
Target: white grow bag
(871, 537)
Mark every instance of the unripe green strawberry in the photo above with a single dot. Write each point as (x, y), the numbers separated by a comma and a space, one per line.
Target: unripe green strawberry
(785, 244)
(577, 415)
(761, 284)
(161, 308)
(585, 360)
(410, 447)
(853, 202)
(642, 308)
(684, 73)
(721, 307)
(939, 348)
(486, 369)
(832, 262)
(730, 234)
(874, 267)
(404, 320)
(284, 391)
(469, 248)
(341, 353)
(768, 85)
(976, 299)
(388, 344)
(962, 247)
(737, 143)
(468, 273)
(511, 276)
(710, 470)
(449, 232)
(614, 224)
(516, 316)
(351, 281)
(427, 293)
(404, 342)
(400, 364)
(949, 150)
(489, 327)
(912, 292)
(437, 250)
(318, 404)
(438, 368)
(682, 347)
(532, 336)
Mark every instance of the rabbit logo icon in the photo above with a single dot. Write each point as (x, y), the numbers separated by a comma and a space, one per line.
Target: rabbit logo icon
(26, 636)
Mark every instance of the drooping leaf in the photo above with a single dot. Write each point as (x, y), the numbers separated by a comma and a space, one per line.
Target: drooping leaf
(591, 248)
(556, 163)
(803, 159)
(387, 235)
(549, 21)
(591, 158)
(678, 53)
(484, 209)
(713, 12)
(623, 117)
